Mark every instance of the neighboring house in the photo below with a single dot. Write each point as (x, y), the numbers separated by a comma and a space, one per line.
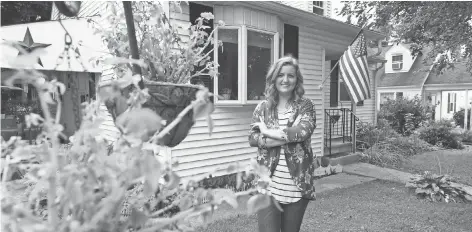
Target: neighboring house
(450, 91)
(49, 35)
(403, 74)
(408, 76)
(267, 29)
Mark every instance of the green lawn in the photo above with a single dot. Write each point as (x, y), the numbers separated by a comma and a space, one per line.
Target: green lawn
(381, 205)
(372, 206)
(457, 163)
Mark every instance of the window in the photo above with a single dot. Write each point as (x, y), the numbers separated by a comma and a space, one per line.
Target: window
(291, 40)
(451, 102)
(228, 59)
(399, 95)
(397, 62)
(260, 55)
(384, 97)
(244, 60)
(318, 7)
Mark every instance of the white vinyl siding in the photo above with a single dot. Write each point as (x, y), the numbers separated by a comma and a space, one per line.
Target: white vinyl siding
(199, 153)
(311, 65)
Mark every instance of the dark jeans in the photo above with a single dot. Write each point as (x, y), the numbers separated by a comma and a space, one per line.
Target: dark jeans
(271, 219)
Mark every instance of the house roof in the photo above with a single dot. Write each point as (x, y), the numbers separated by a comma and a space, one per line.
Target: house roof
(51, 35)
(456, 75)
(415, 77)
(326, 23)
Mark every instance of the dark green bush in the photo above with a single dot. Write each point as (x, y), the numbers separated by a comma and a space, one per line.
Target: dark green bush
(405, 115)
(393, 151)
(368, 134)
(383, 146)
(467, 137)
(441, 134)
(459, 118)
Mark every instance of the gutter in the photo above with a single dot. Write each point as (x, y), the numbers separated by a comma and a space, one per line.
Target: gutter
(395, 87)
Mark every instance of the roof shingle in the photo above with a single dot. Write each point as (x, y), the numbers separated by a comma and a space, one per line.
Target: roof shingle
(415, 77)
(457, 75)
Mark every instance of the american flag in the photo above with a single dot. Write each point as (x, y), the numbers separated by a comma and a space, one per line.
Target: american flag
(354, 71)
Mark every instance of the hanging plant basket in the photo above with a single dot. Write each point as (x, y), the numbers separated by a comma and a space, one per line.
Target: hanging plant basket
(168, 100)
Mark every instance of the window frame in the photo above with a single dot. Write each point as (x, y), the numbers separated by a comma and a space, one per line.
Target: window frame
(242, 62)
(397, 62)
(215, 54)
(322, 7)
(275, 55)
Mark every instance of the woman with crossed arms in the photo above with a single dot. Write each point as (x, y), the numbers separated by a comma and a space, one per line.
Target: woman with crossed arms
(281, 129)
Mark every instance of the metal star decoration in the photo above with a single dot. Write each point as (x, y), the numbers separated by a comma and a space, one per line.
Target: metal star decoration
(29, 45)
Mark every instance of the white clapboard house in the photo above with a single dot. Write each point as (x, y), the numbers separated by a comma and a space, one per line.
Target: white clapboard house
(257, 32)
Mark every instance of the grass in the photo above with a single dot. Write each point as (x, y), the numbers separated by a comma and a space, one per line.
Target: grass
(371, 206)
(456, 163)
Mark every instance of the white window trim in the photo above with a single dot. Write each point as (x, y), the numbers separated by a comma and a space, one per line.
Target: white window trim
(242, 64)
(319, 7)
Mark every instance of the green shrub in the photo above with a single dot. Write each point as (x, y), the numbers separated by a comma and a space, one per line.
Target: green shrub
(441, 134)
(368, 134)
(459, 118)
(467, 137)
(393, 151)
(405, 115)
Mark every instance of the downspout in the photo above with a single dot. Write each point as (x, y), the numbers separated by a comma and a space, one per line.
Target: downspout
(379, 48)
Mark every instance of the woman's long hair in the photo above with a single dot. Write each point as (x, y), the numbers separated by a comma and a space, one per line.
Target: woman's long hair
(271, 93)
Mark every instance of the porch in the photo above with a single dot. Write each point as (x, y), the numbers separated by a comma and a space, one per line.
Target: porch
(339, 132)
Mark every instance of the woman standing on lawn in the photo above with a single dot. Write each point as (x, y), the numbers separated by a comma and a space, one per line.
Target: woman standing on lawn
(282, 126)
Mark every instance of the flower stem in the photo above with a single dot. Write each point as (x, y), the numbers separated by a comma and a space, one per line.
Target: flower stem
(52, 212)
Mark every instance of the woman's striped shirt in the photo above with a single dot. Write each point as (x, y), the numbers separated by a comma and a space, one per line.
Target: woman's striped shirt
(282, 187)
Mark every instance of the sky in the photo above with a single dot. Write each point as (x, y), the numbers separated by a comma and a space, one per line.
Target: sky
(336, 5)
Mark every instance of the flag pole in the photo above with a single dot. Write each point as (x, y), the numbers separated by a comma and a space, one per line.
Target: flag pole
(337, 62)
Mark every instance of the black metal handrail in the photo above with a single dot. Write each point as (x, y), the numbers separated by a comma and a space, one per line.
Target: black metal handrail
(339, 123)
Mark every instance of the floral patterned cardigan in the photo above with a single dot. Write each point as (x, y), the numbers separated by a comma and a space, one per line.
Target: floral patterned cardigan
(298, 152)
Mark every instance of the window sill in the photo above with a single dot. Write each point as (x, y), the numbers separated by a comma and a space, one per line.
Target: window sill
(228, 104)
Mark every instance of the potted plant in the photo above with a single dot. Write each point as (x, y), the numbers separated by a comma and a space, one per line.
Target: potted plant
(253, 95)
(226, 93)
(166, 65)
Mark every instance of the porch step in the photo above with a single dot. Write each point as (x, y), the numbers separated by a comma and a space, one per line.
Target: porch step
(339, 147)
(341, 159)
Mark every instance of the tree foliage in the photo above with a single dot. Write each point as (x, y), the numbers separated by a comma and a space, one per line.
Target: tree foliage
(167, 56)
(17, 12)
(445, 27)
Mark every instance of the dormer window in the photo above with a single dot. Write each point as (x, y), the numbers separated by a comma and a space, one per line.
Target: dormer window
(318, 7)
(397, 62)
